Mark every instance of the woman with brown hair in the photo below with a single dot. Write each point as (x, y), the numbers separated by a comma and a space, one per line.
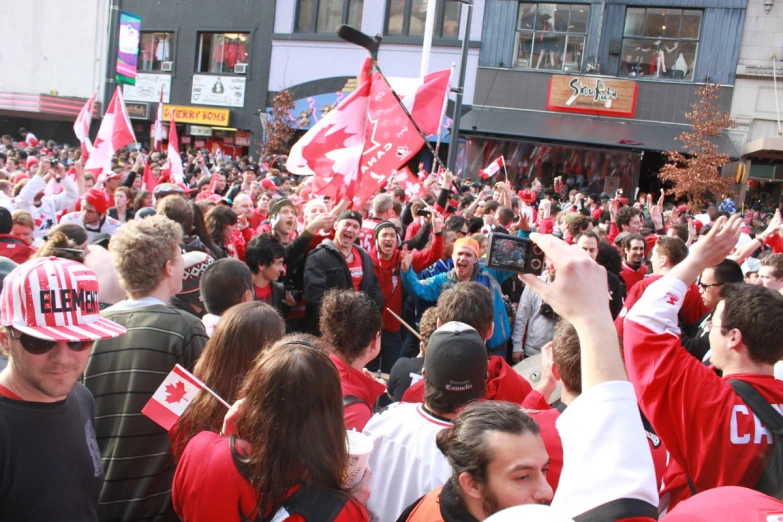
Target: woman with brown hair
(289, 448)
(143, 199)
(221, 223)
(244, 332)
(67, 241)
(122, 210)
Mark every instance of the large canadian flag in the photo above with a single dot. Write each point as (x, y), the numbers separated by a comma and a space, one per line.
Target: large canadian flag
(172, 397)
(81, 127)
(115, 132)
(410, 182)
(425, 98)
(157, 139)
(352, 151)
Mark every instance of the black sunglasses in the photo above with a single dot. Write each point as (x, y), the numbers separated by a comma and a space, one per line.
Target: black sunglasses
(36, 346)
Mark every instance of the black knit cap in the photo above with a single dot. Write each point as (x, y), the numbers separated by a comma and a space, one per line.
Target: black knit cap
(380, 226)
(278, 204)
(350, 214)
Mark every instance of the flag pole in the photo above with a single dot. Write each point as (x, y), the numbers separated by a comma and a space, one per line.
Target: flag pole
(216, 396)
(504, 167)
(406, 325)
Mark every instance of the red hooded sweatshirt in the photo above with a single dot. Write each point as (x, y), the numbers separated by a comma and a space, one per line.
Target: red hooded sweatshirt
(388, 274)
(354, 382)
(503, 384)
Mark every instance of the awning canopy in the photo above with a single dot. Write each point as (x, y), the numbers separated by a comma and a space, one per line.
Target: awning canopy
(45, 106)
(572, 128)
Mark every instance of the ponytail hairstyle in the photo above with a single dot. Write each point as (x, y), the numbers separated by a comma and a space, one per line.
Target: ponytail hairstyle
(465, 443)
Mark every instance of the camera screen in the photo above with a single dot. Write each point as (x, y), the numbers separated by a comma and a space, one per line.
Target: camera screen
(507, 252)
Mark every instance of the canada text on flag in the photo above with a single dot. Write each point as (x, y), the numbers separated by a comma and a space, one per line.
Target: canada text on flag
(174, 394)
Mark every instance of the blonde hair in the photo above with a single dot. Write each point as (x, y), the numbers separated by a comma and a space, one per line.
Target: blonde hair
(23, 218)
(139, 252)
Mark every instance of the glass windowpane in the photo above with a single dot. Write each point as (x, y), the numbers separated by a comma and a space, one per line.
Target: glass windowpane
(691, 24)
(527, 16)
(451, 14)
(418, 18)
(355, 8)
(578, 22)
(575, 48)
(634, 21)
(395, 17)
(304, 19)
(544, 17)
(330, 15)
(525, 50)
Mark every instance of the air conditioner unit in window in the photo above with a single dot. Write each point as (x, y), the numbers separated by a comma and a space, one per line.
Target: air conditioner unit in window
(166, 66)
(240, 68)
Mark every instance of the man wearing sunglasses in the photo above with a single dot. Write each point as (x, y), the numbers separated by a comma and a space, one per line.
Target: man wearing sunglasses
(51, 467)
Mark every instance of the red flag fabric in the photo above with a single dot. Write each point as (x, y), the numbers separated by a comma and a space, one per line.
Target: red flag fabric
(115, 132)
(173, 159)
(157, 139)
(425, 98)
(410, 182)
(492, 168)
(330, 151)
(172, 397)
(81, 127)
(148, 181)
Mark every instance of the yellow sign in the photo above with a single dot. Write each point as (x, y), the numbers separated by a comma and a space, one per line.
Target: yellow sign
(742, 172)
(185, 114)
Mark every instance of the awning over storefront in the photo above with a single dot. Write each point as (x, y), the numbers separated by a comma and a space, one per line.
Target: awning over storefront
(45, 106)
(606, 132)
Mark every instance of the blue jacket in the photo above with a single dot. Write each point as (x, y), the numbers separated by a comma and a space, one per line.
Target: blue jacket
(431, 288)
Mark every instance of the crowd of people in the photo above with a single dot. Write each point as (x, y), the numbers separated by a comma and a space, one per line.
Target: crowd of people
(652, 327)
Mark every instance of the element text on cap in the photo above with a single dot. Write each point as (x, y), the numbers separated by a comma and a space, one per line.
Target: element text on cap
(70, 300)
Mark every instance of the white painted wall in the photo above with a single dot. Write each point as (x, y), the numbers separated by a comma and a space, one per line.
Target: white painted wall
(53, 44)
(753, 104)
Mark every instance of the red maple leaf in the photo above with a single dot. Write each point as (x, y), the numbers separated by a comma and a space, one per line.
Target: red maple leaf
(176, 392)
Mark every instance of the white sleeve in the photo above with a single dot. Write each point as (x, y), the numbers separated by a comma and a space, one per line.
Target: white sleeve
(658, 307)
(68, 196)
(31, 189)
(603, 438)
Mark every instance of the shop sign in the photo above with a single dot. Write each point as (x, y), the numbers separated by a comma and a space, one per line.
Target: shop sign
(199, 144)
(186, 140)
(592, 95)
(187, 114)
(223, 91)
(242, 138)
(138, 111)
(196, 130)
(228, 140)
(164, 134)
(148, 87)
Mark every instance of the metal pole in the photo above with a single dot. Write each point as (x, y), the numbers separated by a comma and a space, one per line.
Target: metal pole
(454, 141)
(429, 25)
(111, 59)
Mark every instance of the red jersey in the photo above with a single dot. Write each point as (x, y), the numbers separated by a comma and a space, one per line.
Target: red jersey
(692, 310)
(776, 243)
(367, 234)
(710, 433)
(207, 486)
(356, 270)
(631, 276)
(388, 274)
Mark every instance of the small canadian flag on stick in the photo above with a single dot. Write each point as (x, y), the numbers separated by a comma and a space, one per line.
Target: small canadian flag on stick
(493, 167)
(174, 395)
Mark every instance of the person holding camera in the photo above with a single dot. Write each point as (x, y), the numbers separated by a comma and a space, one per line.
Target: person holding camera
(534, 322)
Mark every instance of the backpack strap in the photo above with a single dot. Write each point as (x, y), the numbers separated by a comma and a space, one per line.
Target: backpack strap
(619, 509)
(314, 503)
(350, 400)
(769, 416)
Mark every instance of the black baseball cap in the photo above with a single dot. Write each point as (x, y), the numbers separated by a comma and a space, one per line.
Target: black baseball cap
(456, 358)
(350, 214)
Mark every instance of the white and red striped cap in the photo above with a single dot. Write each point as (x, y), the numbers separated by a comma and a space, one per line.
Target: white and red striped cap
(55, 299)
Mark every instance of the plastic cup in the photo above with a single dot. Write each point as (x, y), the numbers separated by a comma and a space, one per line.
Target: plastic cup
(359, 449)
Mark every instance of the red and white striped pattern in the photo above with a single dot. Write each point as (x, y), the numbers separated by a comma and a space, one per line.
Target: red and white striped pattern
(22, 302)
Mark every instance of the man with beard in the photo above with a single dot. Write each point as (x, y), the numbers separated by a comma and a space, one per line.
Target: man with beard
(466, 268)
(498, 460)
(387, 258)
(338, 264)
(633, 255)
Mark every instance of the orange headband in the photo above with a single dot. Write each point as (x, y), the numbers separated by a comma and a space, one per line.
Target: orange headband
(468, 242)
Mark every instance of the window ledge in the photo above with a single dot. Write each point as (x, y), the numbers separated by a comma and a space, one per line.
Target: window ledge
(645, 79)
(397, 40)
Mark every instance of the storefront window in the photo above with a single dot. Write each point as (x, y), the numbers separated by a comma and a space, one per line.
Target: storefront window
(156, 52)
(326, 16)
(551, 36)
(407, 18)
(223, 53)
(660, 43)
(590, 170)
